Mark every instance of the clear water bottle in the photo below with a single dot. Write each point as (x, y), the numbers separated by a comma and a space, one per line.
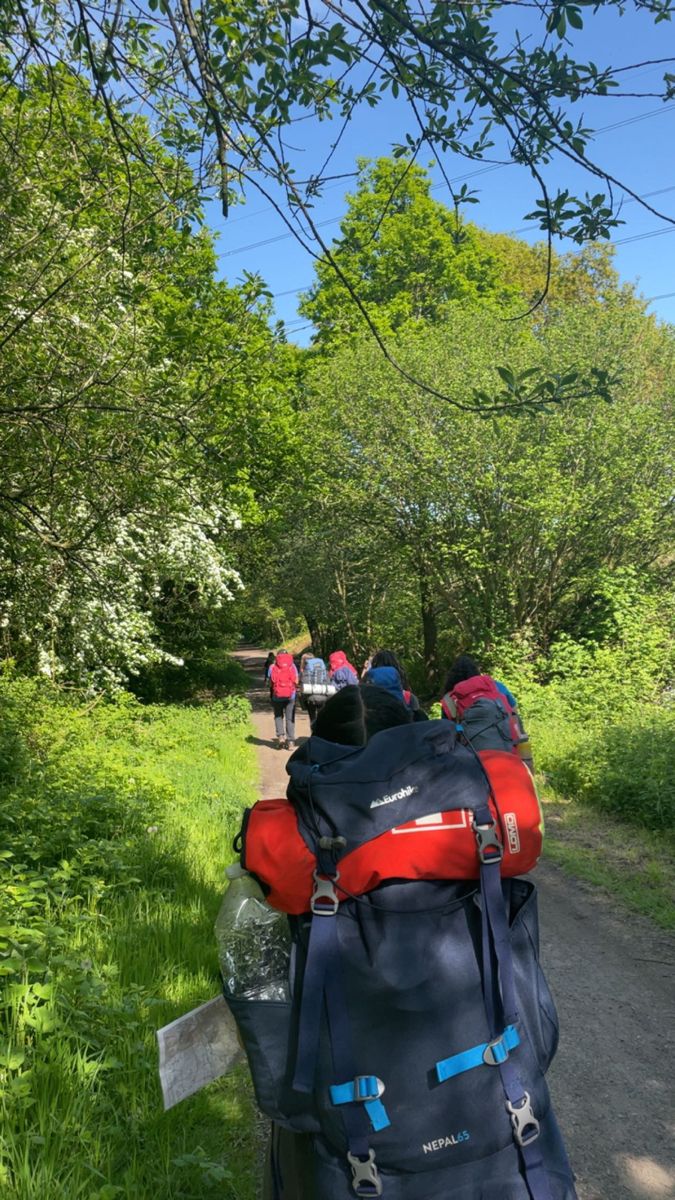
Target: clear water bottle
(254, 942)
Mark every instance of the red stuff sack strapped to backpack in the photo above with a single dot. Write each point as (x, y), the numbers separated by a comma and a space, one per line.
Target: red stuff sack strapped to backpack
(283, 677)
(440, 846)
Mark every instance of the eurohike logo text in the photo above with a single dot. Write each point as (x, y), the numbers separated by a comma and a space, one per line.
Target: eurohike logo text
(452, 1139)
(406, 791)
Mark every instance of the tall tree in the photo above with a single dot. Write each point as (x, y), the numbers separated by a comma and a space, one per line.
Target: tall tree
(474, 530)
(409, 257)
(405, 254)
(139, 399)
(225, 83)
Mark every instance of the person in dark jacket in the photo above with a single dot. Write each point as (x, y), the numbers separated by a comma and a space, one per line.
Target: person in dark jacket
(386, 660)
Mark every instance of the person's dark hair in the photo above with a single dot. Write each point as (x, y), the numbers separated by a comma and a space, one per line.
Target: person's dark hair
(387, 658)
(464, 667)
(355, 714)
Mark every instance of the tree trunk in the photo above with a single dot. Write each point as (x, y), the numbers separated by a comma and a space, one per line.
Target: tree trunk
(429, 626)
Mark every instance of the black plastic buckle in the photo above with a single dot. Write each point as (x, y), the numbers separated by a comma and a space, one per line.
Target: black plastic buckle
(525, 1124)
(490, 849)
(366, 1179)
(324, 902)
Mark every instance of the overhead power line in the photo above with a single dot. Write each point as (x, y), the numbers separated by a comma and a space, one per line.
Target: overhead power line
(281, 237)
(528, 229)
(639, 237)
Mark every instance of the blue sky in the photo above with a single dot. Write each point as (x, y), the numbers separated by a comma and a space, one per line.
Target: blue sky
(637, 145)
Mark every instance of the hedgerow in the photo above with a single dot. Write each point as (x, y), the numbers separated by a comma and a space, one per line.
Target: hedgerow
(116, 821)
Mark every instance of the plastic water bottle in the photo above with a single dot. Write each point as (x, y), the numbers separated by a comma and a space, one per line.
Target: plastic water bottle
(254, 942)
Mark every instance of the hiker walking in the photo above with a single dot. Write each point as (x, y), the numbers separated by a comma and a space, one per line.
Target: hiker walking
(341, 672)
(315, 686)
(386, 670)
(408, 1056)
(484, 710)
(283, 677)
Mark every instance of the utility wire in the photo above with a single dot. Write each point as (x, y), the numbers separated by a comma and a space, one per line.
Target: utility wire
(281, 237)
(293, 328)
(528, 229)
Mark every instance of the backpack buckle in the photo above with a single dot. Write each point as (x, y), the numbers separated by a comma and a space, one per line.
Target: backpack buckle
(525, 1124)
(367, 1087)
(324, 902)
(496, 1052)
(366, 1179)
(490, 849)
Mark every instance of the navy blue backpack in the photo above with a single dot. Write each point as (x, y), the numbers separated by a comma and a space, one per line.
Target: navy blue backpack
(419, 1027)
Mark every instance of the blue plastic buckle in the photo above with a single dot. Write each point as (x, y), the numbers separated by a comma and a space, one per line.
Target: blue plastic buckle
(366, 1090)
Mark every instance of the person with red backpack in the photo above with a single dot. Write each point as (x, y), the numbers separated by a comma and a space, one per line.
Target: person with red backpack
(283, 677)
(484, 711)
(340, 671)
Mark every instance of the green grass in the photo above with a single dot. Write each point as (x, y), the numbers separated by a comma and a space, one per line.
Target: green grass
(609, 796)
(119, 820)
(633, 864)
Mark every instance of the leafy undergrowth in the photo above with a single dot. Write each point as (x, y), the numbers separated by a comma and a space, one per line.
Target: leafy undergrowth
(117, 822)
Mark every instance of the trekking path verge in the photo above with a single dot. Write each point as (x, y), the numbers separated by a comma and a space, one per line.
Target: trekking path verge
(612, 977)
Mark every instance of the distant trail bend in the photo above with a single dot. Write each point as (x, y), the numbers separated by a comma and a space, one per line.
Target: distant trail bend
(611, 973)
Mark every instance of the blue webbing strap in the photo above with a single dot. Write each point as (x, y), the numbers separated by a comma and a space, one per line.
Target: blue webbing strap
(496, 934)
(486, 1054)
(364, 1089)
(354, 1116)
(322, 943)
(323, 982)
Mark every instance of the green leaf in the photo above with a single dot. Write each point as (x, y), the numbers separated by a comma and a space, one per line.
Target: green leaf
(11, 1057)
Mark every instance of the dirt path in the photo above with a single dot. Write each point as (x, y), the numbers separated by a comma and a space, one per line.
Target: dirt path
(612, 976)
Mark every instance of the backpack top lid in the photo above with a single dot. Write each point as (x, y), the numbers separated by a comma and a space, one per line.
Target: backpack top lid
(339, 659)
(387, 678)
(284, 659)
(401, 774)
(314, 664)
(478, 687)
(314, 670)
(433, 847)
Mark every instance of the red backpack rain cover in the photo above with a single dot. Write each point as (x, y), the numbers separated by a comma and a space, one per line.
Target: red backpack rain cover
(283, 677)
(441, 846)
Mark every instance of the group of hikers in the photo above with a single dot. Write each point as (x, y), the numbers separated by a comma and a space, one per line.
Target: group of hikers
(405, 1054)
(313, 682)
